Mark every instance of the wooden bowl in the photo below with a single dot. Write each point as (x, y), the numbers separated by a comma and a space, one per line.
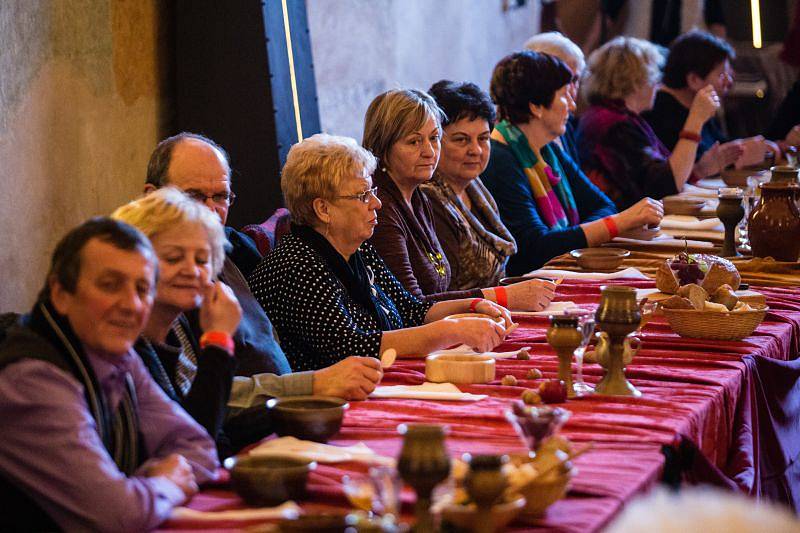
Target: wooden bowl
(599, 258)
(268, 481)
(315, 418)
(466, 516)
(459, 368)
(683, 206)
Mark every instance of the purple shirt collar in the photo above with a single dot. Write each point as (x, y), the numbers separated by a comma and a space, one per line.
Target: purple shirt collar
(111, 374)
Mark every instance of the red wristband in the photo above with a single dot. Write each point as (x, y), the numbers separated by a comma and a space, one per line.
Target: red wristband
(689, 136)
(502, 296)
(611, 226)
(474, 304)
(219, 339)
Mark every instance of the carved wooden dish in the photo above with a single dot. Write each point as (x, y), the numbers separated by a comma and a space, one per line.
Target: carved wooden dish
(459, 368)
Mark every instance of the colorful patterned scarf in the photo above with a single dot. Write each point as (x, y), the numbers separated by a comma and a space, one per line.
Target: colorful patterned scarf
(553, 194)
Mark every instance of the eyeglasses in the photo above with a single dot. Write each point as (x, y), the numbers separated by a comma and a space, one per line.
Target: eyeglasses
(363, 197)
(222, 198)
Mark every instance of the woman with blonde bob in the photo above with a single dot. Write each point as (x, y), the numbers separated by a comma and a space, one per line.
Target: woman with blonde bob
(328, 292)
(618, 149)
(190, 244)
(403, 129)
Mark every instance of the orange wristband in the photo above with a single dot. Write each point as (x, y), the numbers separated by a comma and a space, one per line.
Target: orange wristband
(474, 304)
(611, 226)
(502, 296)
(689, 136)
(219, 339)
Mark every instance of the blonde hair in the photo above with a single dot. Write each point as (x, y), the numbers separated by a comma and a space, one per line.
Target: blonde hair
(393, 115)
(555, 44)
(169, 207)
(315, 168)
(619, 67)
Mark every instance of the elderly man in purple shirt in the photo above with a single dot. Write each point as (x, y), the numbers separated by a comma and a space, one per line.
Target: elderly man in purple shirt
(90, 442)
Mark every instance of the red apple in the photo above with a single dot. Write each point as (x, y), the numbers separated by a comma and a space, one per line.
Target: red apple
(553, 391)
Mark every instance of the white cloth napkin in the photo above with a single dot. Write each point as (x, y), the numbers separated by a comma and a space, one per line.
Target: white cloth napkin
(664, 242)
(629, 272)
(463, 349)
(321, 453)
(426, 391)
(555, 308)
(691, 223)
(692, 190)
(285, 510)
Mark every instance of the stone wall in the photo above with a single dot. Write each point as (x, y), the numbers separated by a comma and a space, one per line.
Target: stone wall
(80, 111)
(364, 47)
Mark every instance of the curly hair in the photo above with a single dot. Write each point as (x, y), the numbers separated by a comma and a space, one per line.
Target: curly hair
(315, 168)
(525, 78)
(619, 67)
(459, 100)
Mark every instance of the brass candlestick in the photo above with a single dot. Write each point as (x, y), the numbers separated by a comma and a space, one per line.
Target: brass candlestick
(730, 212)
(617, 316)
(423, 464)
(565, 337)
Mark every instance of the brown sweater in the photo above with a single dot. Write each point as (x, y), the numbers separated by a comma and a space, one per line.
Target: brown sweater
(405, 238)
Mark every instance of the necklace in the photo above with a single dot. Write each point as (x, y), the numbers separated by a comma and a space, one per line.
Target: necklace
(438, 263)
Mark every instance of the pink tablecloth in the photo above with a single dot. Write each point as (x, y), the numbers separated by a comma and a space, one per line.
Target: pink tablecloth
(693, 399)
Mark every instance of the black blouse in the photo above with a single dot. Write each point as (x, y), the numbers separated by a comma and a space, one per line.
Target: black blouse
(320, 318)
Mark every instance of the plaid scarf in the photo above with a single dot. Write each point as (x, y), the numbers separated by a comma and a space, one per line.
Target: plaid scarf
(553, 194)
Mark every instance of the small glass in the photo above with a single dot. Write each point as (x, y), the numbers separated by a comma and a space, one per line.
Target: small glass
(586, 326)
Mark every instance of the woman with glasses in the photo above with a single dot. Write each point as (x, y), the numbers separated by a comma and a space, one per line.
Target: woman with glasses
(696, 60)
(328, 292)
(402, 128)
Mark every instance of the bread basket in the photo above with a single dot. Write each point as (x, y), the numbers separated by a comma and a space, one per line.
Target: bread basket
(715, 325)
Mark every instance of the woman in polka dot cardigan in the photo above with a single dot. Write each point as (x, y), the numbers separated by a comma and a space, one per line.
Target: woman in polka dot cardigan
(328, 292)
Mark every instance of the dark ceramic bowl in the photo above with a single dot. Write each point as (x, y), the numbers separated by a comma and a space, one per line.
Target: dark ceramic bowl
(315, 418)
(268, 481)
(599, 258)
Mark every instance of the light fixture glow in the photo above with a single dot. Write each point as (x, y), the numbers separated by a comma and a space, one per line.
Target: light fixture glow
(292, 77)
(755, 13)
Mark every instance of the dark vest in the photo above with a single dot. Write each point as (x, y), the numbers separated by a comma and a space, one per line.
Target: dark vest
(47, 336)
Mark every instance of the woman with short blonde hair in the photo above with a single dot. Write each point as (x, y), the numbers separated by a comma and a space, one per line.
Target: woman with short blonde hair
(316, 170)
(189, 242)
(328, 292)
(617, 148)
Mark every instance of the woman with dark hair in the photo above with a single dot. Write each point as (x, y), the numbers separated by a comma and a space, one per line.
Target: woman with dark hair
(474, 239)
(618, 149)
(402, 128)
(545, 200)
(696, 59)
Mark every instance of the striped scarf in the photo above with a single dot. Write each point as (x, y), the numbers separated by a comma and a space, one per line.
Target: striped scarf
(552, 194)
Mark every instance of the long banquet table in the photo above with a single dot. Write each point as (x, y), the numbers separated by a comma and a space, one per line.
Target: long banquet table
(706, 397)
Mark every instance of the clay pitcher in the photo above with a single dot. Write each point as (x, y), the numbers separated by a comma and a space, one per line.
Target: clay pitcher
(774, 224)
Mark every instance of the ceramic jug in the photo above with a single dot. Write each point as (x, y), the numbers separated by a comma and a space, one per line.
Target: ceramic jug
(774, 223)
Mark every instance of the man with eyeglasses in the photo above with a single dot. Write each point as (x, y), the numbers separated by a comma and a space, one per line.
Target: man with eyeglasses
(201, 168)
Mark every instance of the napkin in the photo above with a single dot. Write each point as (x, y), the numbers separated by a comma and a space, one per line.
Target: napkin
(321, 453)
(426, 391)
(663, 242)
(463, 349)
(629, 272)
(285, 510)
(683, 222)
(694, 191)
(555, 308)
